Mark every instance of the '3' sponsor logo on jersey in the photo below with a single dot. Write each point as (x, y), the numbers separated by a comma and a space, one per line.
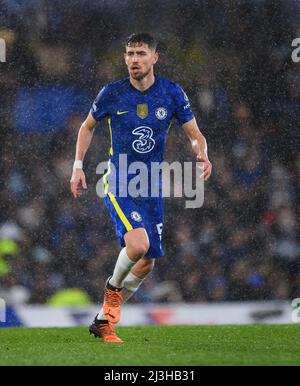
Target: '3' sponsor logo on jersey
(145, 143)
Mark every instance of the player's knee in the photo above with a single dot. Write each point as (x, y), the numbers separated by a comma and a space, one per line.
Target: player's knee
(140, 248)
(137, 243)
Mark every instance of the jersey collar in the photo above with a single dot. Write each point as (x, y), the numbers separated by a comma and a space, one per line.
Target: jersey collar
(147, 90)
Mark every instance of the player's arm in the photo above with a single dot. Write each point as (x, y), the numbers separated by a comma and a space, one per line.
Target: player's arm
(84, 139)
(199, 146)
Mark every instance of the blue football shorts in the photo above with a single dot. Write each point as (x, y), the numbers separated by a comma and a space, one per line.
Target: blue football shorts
(130, 213)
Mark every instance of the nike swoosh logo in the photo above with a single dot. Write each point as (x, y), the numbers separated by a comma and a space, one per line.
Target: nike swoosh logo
(122, 112)
(110, 315)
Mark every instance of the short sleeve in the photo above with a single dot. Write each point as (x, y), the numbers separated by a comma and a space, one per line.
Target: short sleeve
(100, 107)
(182, 110)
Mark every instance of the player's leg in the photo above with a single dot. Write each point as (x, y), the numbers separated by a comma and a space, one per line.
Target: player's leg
(137, 245)
(103, 328)
(152, 214)
(132, 236)
(136, 276)
(136, 241)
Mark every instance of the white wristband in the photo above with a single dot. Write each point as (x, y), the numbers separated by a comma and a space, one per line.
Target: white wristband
(78, 164)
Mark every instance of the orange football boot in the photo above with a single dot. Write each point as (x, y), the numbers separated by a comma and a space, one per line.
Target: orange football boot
(104, 330)
(112, 303)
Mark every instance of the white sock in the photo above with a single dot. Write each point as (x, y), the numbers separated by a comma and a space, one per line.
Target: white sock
(122, 268)
(131, 285)
(101, 315)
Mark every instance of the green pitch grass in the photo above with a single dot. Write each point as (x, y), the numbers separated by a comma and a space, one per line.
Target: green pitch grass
(152, 345)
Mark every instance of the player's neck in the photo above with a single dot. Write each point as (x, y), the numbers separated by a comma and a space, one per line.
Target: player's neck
(143, 84)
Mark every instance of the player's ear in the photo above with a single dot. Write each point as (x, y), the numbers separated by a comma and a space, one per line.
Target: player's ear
(155, 57)
(125, 57)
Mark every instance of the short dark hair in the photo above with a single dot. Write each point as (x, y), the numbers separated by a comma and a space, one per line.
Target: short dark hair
(140, 38)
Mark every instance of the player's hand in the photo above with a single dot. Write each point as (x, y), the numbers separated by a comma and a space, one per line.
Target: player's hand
(78, 182)
(207, 166)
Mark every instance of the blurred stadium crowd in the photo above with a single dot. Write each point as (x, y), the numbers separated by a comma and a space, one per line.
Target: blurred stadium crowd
(234, 61)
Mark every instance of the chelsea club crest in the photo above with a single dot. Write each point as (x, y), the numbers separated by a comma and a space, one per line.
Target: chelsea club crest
(136, 216)
(161, 113)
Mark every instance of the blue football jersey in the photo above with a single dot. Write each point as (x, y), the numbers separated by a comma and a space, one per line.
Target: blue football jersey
(139, 121)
